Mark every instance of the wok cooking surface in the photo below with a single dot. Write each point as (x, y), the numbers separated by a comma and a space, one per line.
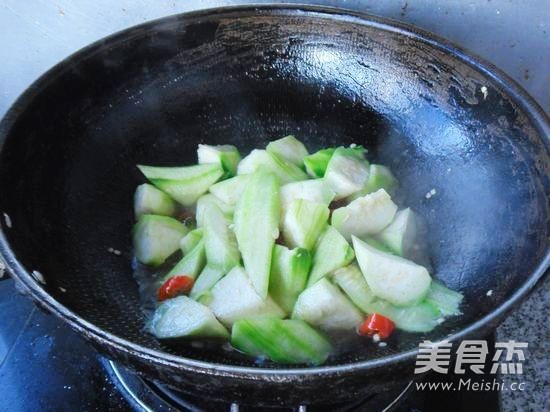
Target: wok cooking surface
(152, 93)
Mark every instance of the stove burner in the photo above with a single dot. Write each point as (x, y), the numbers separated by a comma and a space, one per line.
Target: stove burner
(151, 396)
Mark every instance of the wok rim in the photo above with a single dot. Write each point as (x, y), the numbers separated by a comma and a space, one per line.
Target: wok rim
(90, 332)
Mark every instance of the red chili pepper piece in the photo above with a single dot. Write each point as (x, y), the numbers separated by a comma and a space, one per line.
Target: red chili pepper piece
(377, 324)
(176, 285)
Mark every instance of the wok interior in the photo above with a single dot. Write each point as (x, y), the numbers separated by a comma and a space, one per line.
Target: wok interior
(67, 171)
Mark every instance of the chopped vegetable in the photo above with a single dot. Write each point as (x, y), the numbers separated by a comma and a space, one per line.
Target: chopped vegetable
(290, 149)
(378, 245)
(347, 171)
(241, 273)
(256, 227)
(234, 297)
(220, 242)
(332, 251)
(289, 271)
(190, 240)
(285, 341)
(184, 184)
(317, 191)
(316, 163)
(400, 235)
(353, 284)
(377, 324)
(148, 200)
(156, 238)
(390, 277)
(325, 306)
(227, 156)
(303, 222)
(270, 162)
(206, 280)
(191, 264)
(445, 300)
(175, 286)
(380, 177)
(210, 199)
(183, 317)
(365, 215)
(422, 317)
(230, 191)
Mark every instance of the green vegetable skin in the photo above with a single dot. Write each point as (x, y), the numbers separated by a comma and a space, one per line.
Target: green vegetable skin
(184, 184)
(191, 264)
(155, 238)
(209, 199)
(324, 305)
(285, 341)
(148, 200)
(219, 239)
(206, 280)
(316, 190)
(400, 235)
(190, 240)
(182, 317)
(390, 277)
(332, 251)
(365, 216)
(256, 227)
(290, 149)
(230, 191)
(421, 317)
(227, 156)
(445, 300)
(270, 162)
(347, 171)
(380, 177)
(303, 222)
(234, 298)
(316, 163)
(289, 271)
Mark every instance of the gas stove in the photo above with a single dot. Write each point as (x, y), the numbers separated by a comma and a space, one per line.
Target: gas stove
(45, 366)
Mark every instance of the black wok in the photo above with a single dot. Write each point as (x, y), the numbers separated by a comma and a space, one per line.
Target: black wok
(437, 116)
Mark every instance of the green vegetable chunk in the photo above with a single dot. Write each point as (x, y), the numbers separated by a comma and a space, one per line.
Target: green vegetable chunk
(156, 238)
(182, 317)
(184, 184)
(206, 280)
(284, 341)
(317, 191)
(380, 177)
(230, 191)
(210, 199)
(303, 222)
(445, 300)
(270, 162)
(234, 297)
(289, 271)
(324, 305)
(316, 163)
(400, 235)
(148, 200)
(390, 277)
(347, 171)
(256, 227)
(364, 216)
(353, 284)
(220, 242)
(288, 148)
(421, 317)
(191, 264)
(332, 251)
(190, 240)
(227, 156)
